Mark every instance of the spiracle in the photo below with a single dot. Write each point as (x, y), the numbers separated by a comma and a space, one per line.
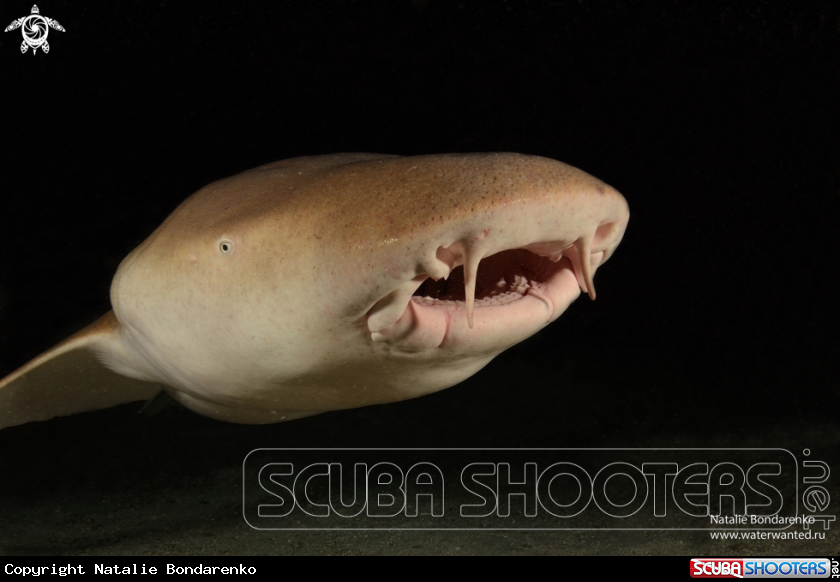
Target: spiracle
(35, 30)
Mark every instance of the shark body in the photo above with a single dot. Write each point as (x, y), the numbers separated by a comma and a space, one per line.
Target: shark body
(333, 282)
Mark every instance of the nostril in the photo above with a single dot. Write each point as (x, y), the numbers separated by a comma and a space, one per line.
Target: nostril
(447, 257)
(604, 235)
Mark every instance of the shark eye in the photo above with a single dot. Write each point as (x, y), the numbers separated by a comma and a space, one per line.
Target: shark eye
(226, 248)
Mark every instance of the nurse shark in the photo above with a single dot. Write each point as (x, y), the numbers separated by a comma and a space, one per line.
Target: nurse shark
(333, 282)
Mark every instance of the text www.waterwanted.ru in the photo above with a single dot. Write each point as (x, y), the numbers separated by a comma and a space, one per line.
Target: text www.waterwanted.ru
(767, 535)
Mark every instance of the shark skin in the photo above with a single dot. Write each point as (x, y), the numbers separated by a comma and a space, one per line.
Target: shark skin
(333, 282)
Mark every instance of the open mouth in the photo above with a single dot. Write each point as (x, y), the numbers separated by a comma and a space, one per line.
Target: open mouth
(491, 302)
(501, 279)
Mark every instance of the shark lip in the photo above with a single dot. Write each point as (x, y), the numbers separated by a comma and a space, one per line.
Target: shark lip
(517, 292)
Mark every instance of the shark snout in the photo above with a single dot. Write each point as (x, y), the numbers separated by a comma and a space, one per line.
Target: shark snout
(499, 284)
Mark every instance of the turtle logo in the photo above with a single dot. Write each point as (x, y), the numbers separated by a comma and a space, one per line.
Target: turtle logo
(35, 28)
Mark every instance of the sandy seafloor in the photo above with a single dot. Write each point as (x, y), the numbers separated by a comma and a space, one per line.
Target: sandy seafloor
(116, 482)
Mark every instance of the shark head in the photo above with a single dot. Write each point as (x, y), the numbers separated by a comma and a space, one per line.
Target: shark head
(333, 282)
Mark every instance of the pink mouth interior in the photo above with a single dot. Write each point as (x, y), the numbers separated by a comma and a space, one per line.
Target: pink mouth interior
(501, 278)
(517, 292)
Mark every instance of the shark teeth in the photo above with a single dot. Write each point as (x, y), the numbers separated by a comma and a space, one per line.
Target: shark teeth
(502, 298)
(505, 277)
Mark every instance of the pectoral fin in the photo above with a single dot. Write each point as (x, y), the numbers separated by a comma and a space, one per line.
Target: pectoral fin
(71, 378)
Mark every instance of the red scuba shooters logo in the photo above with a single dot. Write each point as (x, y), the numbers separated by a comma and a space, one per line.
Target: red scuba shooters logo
(761, 568)
(716, 568)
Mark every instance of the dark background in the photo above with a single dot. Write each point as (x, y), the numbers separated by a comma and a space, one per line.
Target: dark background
(716, 321)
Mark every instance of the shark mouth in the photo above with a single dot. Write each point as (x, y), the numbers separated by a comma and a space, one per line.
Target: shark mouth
(503, 278)
(487, 303)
